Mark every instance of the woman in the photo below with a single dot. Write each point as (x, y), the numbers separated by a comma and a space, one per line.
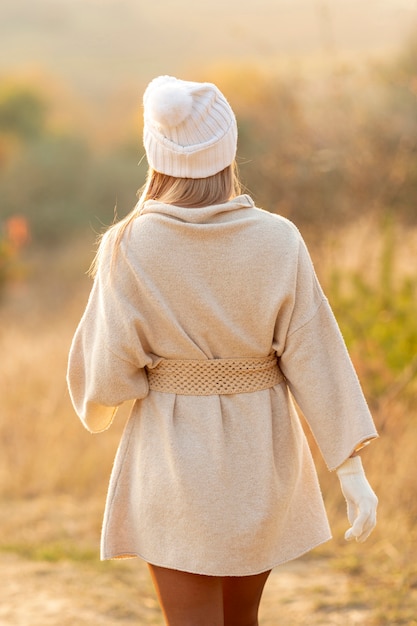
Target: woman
(206, 310)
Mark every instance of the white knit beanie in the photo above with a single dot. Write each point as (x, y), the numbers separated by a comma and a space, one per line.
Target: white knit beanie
(189, 130)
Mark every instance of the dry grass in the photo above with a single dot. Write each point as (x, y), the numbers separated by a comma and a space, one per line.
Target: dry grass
(41, 437)
(53, 474)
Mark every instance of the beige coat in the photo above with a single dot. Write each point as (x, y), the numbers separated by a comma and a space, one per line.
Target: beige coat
(218, 484)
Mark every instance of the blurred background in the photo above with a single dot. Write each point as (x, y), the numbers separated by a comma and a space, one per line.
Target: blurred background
(325, 92)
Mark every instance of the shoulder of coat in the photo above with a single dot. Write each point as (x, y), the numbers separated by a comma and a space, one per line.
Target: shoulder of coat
(278, 224)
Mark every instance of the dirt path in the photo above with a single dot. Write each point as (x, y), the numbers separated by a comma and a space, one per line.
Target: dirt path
(38, 593)
(76, 589)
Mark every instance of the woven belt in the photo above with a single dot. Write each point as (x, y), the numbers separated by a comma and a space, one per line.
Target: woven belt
(214, 376)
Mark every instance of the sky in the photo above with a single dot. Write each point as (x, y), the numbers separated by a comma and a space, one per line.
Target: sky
(97, 45)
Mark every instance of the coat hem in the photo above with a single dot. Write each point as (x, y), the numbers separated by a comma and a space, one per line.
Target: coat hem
(132, 555)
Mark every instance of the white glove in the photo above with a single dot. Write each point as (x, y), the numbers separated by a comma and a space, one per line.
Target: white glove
(361, 500)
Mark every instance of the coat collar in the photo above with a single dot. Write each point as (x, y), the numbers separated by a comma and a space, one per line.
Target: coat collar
(197, 215)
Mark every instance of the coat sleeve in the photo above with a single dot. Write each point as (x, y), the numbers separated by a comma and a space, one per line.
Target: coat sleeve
(319, 371)
(106, 360)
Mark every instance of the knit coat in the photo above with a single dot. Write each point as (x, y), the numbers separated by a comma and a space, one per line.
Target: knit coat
(220, 484)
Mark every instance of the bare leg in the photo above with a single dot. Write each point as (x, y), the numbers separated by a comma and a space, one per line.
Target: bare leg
(188, 599)
(241, 599)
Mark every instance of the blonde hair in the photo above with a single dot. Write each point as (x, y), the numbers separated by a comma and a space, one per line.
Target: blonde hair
(184, 192)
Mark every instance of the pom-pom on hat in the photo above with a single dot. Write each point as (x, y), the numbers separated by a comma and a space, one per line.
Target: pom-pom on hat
(189, 129)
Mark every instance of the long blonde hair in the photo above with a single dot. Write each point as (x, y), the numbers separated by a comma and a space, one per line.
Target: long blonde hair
(184, 192)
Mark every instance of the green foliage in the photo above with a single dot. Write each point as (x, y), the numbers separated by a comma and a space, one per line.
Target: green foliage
(22, 111)
(56, 180)
(61, 187)
(378, 319)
